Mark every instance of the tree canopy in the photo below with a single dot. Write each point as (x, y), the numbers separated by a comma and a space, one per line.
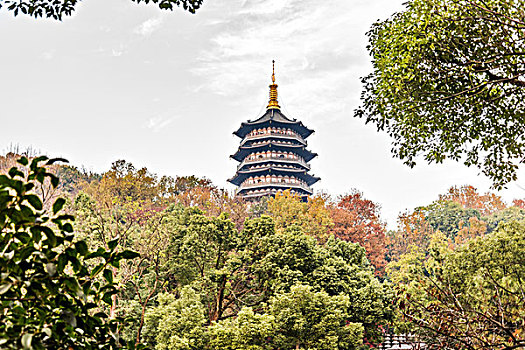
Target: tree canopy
(448, 81)
(57, 9)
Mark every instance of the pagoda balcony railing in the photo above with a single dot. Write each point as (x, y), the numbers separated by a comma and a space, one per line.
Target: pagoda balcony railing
(276, 183)
(263, 136)
(278, 159)
(261, 193)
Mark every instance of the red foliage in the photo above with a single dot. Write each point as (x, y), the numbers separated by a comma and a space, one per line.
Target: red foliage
(356, 219)
(469, 198)
(520, 203)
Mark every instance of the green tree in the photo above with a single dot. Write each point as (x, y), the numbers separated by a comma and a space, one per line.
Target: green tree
(448, 217)
(56, 9)
(467, 298)
(50, 297)
(177, 323)
(313, 320)
(231, 270)
(449, 82)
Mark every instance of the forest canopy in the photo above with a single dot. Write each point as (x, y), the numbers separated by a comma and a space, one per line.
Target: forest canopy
(177, 263)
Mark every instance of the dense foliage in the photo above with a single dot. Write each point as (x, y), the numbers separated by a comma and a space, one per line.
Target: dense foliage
(449, 82)
(213, 272)
(468, 298)
(57, 9)
(50, 295)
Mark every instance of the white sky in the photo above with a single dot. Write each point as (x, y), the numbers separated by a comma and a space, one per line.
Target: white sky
(165, 90)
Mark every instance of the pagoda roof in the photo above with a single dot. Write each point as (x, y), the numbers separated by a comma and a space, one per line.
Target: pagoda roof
(273, 169)
(298, 149)
(273, 116)
(246, 163)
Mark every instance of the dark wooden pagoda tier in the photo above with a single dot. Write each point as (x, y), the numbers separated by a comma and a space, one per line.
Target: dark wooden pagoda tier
(273, 155)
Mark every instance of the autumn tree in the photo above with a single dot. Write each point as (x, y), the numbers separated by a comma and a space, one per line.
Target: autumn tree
(57, 9)
(356, 219)
(448, 81)
(312, 216)
(469, 198)
(413, 230)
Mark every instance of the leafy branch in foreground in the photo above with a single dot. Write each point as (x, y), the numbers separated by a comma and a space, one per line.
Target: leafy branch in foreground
(49, 296)
(449, 82)
(56, 9)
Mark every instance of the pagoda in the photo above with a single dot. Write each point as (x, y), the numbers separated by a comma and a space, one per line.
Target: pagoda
(272, 154)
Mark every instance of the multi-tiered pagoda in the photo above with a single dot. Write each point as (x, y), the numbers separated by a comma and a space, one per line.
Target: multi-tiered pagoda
(273, 155)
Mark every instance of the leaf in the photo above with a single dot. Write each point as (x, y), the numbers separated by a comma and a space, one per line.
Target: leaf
(23, 161)
(15, 172)
(26, 340)
(67, 227)
(54, 160)
(113, 243)
(81, 247)
(58, 205)
(50, 234)
(34, 201)
(5, 287)
(96, 270)
(108, 275)
(128, 254)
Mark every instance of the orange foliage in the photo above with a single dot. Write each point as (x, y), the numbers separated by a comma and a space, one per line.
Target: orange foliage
(357, 220)
(469, 198)
(475, 228)
(520, 203)
(413, 230)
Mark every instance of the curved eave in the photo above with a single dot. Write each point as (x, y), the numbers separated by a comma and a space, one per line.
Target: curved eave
(240, 176)
(273, 117)
(273, 161)
(274, 137)
(245, 151)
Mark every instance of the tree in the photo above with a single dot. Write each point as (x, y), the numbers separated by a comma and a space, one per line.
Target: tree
(56, 9)
(449, 82)
(231, 270)
(448, 217)
(413, 231)
(289, 209)
(469, 198)
(306, 319)
(468, 298)
(50, 295)
(356, 219)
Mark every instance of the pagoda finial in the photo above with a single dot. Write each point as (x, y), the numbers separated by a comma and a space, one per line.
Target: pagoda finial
(273, 104)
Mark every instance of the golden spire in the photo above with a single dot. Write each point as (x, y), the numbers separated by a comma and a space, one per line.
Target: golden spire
(273, 104)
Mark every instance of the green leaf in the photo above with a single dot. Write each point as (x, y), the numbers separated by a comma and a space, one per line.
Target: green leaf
(113, 243)
(54, 160)
(50, 234)
(34, 201)
(23, 161)
(108, 275)
(128, 254)
(81, 247)
(58, 205)
(67, 227)
(96, 270)
(15, 172)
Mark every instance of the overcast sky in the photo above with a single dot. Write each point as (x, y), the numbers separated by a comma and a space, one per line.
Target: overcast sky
(165, 90)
